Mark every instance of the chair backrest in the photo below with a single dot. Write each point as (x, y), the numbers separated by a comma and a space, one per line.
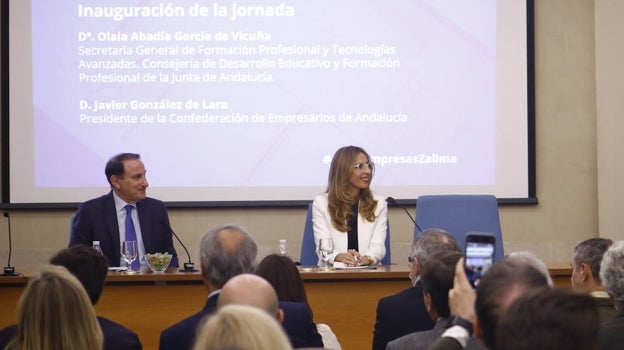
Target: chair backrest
(308, 247)
(460, 214)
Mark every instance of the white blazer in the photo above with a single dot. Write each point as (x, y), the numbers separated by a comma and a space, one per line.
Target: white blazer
(371, 235)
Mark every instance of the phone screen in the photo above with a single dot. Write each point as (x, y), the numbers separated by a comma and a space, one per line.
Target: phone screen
(479, 256)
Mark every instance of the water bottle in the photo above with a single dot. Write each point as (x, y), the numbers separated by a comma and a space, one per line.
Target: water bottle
(282, 247)
(96, 246)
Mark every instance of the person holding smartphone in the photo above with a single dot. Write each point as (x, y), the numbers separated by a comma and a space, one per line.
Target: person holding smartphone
(349, 213)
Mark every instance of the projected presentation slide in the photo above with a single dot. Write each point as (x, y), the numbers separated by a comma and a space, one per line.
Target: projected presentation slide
(248, 100)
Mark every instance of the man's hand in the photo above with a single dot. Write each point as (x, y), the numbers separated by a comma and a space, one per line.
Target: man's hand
(462, 297)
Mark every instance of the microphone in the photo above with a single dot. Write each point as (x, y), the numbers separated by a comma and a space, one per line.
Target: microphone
(393, 201)
(8, 270)
(189, 266)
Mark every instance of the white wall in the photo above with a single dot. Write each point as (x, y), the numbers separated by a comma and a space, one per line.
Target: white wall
(610, 115)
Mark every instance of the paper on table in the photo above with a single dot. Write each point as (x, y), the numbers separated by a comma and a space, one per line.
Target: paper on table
(117, 268)
(341, 266)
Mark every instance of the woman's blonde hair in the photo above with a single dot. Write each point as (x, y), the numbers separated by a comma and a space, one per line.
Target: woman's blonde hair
(241, 327)
(55, 312)
(340, 198)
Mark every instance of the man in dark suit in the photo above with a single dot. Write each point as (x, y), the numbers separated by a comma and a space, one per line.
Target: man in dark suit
(437, 279)
(105, 218)
(502, 284)
(227, 251)
(586, 273)
(295, 317)
(404, 312)
(90, 268)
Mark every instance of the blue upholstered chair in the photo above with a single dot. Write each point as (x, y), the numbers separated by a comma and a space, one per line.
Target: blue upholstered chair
(460, 214)
(308, 247)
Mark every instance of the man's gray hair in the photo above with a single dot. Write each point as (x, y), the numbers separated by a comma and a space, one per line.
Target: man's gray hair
(220, 263)
(526, 257)
(590, 252)
(612, 273)
(432, 241)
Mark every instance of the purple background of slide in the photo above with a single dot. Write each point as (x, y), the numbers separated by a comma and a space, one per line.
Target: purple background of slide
(445, 85)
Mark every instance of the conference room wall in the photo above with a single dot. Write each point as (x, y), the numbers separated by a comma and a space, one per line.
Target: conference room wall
(609, 111)
(566, 160)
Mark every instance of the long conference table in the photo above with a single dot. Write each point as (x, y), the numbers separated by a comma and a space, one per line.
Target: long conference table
(147, 303)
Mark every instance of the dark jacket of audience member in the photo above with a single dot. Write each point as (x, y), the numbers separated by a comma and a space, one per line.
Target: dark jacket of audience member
(437, 279)
(227, 251)
(403, 313)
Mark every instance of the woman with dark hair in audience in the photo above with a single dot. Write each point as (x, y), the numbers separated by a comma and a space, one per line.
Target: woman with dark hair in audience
(349, 213)
(282, 273)
(54, 312)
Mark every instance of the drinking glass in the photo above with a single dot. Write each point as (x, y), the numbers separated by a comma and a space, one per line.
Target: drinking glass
(129, 254)
(326, 247)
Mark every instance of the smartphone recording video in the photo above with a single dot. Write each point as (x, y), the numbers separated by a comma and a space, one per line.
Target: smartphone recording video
(479, 255)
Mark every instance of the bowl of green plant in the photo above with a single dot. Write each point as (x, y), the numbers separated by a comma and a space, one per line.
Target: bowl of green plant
(158, 262)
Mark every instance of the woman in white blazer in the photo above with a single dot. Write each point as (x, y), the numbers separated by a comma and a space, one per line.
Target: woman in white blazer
(349, 213)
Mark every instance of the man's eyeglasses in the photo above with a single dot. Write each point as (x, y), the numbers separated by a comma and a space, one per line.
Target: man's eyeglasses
(361, 166)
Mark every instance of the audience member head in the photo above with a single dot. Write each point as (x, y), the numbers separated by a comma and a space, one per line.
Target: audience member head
(550, 319)
(501, 284)
(282, 273)
(226, 251)
(612, 273)
(251, 290)
(87, 265)
(425, 245)
(54, 312)
(241, 327)
(437, 279)
(532, 260)
(586, 263)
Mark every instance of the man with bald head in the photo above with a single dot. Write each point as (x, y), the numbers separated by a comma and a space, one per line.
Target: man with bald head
(251, 290)
(225, 251)
(228, 251)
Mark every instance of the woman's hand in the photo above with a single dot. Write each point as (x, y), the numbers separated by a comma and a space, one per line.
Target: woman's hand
(350, 258)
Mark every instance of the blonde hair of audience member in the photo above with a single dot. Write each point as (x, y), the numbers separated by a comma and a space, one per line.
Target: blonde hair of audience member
(54, 312)
(241, 326)
(251, 290)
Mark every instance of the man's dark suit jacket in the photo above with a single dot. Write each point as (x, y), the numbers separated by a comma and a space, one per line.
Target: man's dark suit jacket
(181, 335)
(400, 314)
(96, 220)
(297, 324)
(446, 343)
(612, 332)
(426, 339)
(116, 336)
